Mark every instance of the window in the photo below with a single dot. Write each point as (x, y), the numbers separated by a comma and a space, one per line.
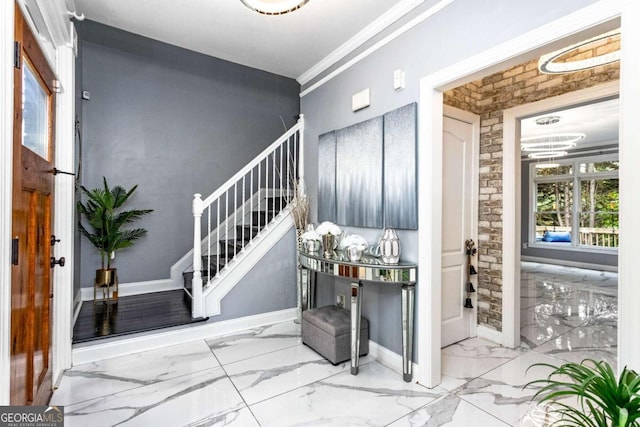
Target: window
(576, 204)
(35, 106)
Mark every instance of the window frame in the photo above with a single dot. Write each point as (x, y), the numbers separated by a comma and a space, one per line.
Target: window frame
(576, 177)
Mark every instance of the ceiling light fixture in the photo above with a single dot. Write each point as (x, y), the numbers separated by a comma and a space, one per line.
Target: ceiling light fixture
(557, 141)
(548, 146)
(547, 63)
(274, 7)
(547, 154)
(547, 120)
(548, 165)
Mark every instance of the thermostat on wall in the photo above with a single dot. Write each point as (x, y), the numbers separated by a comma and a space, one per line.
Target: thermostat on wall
(361, 100)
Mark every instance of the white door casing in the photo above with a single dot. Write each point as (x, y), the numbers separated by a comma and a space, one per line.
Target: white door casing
(600, 16)
(459, 221)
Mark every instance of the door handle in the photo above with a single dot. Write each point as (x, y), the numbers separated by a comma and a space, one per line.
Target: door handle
(15, 251)
(60, 262)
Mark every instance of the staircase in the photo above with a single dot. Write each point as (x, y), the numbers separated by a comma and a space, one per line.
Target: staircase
(238, 223)
(234, 244)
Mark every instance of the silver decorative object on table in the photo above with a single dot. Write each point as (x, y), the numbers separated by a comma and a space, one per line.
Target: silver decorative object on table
(329, 232)
(328, 244)
(390, 246)
(355, 252)
(354, 246)
(312, 245)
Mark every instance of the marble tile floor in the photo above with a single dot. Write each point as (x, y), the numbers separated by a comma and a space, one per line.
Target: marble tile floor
(266, 377)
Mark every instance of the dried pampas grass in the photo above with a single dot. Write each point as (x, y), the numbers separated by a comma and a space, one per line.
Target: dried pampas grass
(299, 206)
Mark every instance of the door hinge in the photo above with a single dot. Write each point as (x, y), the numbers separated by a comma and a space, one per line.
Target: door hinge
(16, 54)
(15, 251)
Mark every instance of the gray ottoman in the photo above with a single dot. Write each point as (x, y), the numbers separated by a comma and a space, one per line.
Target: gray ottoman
(327, 330)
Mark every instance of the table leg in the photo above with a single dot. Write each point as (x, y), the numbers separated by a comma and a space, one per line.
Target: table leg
(313, 280)
(356, 308)
(408, 305)
(299, 294)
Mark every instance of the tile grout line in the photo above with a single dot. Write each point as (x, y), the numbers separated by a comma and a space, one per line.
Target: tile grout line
(246, 405)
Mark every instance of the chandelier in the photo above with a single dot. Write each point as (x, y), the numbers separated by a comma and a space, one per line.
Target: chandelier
(549, 146)
(274, 7)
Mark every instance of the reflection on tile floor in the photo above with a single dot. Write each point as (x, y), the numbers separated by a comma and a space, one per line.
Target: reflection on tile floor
(266, 377)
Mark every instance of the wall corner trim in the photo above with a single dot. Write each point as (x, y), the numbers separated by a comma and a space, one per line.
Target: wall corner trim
(6, 191)
(371, 30)
(389, 38)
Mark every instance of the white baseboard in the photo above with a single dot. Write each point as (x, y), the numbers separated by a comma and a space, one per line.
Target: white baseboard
(388, 358)
(489, 334)
(598, 267)
(109, 348)
(137, 288)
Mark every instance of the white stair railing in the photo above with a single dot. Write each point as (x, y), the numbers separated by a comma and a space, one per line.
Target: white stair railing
(274, 173)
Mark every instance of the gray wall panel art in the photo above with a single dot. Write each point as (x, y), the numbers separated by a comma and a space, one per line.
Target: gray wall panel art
(400, 191)
(327, 177)
(359, 174)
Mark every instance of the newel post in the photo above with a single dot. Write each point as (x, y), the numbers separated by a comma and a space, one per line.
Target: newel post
(196, 285)
(301, 185)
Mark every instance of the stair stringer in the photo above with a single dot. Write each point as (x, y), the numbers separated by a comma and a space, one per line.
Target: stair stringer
(244, 262)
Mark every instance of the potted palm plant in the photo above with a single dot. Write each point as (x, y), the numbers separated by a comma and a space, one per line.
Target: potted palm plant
(603, 400)
(106, 225)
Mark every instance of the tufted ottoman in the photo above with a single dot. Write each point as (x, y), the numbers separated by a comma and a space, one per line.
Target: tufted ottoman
(327, 331)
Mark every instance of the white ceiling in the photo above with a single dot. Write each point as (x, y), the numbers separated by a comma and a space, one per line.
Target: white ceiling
(287, 45)
(291, 44)
(598, 121)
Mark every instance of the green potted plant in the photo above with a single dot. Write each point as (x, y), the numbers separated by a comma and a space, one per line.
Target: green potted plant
(106, 225)
(603, 400)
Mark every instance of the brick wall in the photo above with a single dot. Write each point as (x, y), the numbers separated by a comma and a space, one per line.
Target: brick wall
(488, 98)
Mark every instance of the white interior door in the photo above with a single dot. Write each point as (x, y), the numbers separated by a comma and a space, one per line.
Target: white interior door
(459, 212)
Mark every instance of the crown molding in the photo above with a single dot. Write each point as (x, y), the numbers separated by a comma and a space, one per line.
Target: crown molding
(371, 30)
(389, 38)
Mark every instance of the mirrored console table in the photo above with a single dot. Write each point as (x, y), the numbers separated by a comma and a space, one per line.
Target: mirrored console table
(368, 269)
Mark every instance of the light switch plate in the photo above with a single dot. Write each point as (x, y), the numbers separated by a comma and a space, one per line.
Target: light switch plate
(361, 100)
(398, 79)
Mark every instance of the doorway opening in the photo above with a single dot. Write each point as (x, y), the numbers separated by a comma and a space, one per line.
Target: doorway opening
(570, 230)
(507, 161)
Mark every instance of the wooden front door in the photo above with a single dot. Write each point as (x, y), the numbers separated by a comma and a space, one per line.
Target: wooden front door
(31, 284)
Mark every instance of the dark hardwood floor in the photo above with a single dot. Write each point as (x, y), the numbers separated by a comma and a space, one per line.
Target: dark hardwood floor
(136, 313)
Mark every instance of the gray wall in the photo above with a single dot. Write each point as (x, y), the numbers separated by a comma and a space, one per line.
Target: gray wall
(596, 258)
(464, 28)
(176, 123)
(269, 286)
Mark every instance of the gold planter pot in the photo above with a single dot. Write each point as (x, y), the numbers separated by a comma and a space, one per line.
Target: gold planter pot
(106, 283)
